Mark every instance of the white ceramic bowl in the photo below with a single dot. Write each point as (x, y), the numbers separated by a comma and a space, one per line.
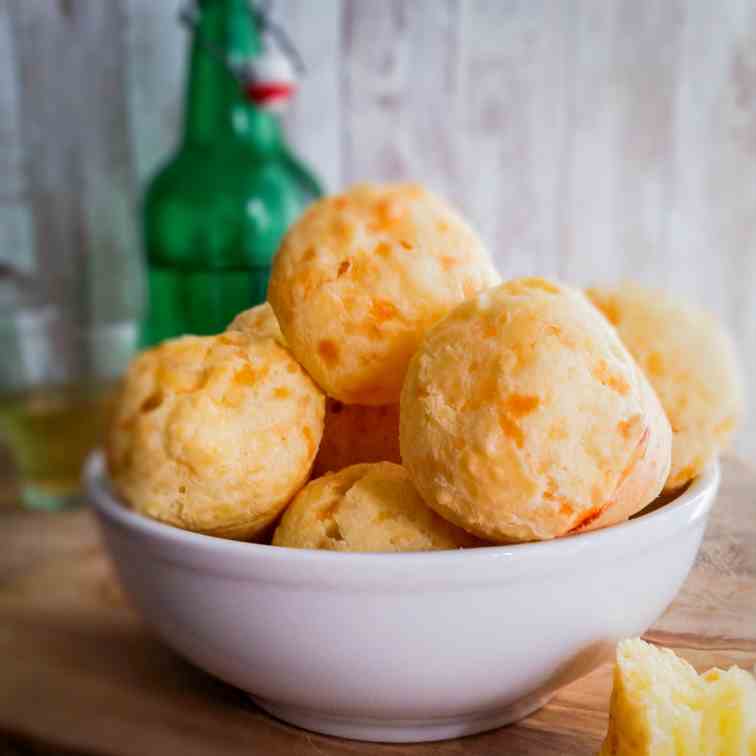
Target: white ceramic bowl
(402, 647)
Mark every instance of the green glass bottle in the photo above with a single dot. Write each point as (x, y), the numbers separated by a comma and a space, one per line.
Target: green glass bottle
(216, 212)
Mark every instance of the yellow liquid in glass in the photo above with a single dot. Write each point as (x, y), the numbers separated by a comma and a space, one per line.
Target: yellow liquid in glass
(49, 431)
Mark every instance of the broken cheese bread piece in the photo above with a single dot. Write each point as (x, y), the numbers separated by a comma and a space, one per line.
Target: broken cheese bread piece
(660, 706)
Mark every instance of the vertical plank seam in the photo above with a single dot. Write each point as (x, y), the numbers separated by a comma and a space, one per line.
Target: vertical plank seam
(453, 75)
(457, 104)
(124, 21)
(345, 127)
(16, 23)
(22, 256)
(669, 192)
(562, 205)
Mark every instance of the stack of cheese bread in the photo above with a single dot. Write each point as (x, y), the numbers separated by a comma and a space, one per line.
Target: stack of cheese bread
(430, 405)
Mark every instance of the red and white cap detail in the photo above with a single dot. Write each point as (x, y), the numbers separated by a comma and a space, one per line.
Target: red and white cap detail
(269, 79)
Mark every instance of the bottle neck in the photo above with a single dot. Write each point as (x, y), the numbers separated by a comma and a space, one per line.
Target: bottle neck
(216, 105)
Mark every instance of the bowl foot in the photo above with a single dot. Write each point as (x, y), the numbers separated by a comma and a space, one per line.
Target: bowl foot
(402, 730)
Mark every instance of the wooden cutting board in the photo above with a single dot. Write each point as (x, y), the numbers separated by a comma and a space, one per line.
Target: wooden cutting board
(79, 673)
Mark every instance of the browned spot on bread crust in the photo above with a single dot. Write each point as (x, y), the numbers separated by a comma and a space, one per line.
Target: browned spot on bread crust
(595, 511)
(519, 405)
(343, 231)
(486, 394)
(447, 263)
(592, 514)
(344, 267)
(625, 427)
(328, 351)
(511, 429)
(524, 353)
(311, 448)
(683, 476)
(563, 338)
(655, 364)
(608, 307)
(246, 376)
(542, 284)
(566, 507)
(383, 310)
(596, 496)
(328, 512)
(386, 213)
(152, 402)
(524, 285)
(616, 383)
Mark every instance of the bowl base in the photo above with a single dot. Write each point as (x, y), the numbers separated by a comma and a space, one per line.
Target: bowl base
(403, 730)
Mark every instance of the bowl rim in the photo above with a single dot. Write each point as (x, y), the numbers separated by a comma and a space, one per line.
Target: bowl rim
(683, 512)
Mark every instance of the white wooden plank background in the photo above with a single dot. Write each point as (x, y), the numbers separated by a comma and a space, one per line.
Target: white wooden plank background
(587, 139)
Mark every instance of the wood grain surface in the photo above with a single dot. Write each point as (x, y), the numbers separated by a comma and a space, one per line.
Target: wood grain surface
(588, 139)
(79, 673)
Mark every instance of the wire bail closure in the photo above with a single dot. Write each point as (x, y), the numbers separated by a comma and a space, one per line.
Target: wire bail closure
(269, 79)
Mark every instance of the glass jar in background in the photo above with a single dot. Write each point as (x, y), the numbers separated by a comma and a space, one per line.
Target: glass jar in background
(58, 373)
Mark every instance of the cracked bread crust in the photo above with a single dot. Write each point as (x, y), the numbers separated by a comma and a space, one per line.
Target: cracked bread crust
(215, 434)
(371, 507)
(524, 418)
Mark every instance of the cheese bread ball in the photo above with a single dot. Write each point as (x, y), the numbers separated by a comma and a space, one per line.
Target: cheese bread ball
(215, 434)
(357, 433)
(370, 507)
(259, 321)
(691, 363)
(524, 418)
(361, 276)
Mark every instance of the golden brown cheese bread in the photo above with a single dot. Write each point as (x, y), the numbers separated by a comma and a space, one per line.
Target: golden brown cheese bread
(691, 363)
(215, 434)
(259, 321)
(361, 276)
(660, 706)
(371, 507)
(523, 417)
(356, 433)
